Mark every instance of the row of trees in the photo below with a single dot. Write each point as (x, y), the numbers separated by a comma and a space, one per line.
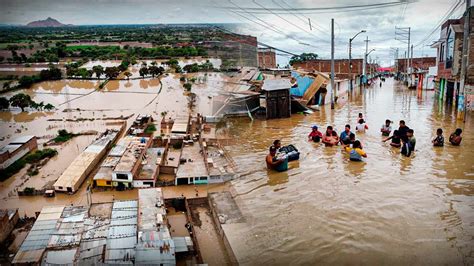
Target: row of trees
(60, 50)
(153, 69)
(195, 67)
(23, 101)
(53, 73)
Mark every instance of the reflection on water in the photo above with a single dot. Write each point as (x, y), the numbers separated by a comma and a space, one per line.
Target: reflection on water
(388, 209)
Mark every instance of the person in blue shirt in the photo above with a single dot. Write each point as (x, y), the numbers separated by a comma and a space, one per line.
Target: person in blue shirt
(345, 135)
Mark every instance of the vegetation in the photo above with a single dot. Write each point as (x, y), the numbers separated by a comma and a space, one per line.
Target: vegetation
(38, 155)
(63, 136)
(207, 66)
(187, 86)
(31, 158)
(150, 129)
(4, 103)
(23, 101)
(303, 58)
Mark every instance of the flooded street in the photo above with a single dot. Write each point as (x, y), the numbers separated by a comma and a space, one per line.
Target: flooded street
(388, 209)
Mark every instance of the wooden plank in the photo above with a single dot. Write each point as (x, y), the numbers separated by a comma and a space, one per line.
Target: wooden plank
(313, 88)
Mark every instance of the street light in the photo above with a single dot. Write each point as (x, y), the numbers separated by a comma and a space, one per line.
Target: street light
(350, 56)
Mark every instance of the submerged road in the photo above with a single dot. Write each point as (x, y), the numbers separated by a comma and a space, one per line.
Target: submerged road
(388, 209)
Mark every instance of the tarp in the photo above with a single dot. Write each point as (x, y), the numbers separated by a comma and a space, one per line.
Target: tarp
(302, 84)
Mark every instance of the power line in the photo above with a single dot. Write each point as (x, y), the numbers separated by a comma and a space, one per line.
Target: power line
(305, 20)
(288, 21)
(310, 9)
(450, 11)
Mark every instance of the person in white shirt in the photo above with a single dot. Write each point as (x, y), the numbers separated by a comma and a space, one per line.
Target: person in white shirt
(361, 126)
(386, 128)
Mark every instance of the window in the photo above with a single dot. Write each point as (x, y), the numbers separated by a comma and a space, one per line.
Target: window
(122, 176)
(60, 187)
(449, 49)
(108, 183)
(148, 184)
(441, 53)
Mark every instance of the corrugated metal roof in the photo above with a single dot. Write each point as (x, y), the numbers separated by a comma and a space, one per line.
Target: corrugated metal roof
(121, 204)
(181, 245)
(162, 253)
(119, 256)
(25, 257)
(60, 257)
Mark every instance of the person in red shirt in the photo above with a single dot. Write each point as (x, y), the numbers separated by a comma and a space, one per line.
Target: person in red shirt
(315, 135)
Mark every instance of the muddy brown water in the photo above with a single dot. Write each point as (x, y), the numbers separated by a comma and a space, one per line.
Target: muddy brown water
(385, 210)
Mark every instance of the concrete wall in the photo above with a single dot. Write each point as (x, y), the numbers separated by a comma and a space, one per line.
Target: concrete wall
(7, 225)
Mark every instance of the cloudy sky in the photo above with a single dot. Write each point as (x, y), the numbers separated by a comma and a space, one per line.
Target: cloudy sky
(271, 21)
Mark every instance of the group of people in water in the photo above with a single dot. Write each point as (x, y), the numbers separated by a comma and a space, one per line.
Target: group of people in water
(402, 138)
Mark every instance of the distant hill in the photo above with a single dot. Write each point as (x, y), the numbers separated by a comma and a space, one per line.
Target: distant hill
(49, 22)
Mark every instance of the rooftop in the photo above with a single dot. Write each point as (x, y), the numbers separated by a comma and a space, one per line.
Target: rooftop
(74, 173)
(276, 84)
(134, 149)
(194, 165)
(150, 167)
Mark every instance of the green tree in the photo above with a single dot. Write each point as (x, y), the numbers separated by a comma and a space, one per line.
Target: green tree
(143, 71)
(20, 100)
(48, 107)
(98, 70)
(4, 103)
(26, 81)
(112, 72)
(187, 86)
(303, 58)
(155, 71)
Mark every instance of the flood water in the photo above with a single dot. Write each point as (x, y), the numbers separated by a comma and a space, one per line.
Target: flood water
(388, 209)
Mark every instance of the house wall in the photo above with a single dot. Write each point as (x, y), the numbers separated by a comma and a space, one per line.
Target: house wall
(341, 66)
(7, 225)
(266, 59)
(103, 183)
(6, 159)
(143, 183)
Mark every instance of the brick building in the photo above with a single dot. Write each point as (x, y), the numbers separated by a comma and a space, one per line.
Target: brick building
(421, 63)
(449, 61)
(341, 67)
(266, 58)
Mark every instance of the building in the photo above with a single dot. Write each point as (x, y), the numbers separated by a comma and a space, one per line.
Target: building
(131, 151)
(341, 67)
(82, 166)
(122, 232)
(150, 168)
(449, 62)
(8, 220)
(266, 58)
(123, 163)
(277, 98)
(417, 64)
(16, 149)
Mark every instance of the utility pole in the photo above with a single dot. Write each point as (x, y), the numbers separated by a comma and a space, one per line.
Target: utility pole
(332, 64)
(461, 115)
(408, 62)
(350, 58)
(403, 35)
(364, 69)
